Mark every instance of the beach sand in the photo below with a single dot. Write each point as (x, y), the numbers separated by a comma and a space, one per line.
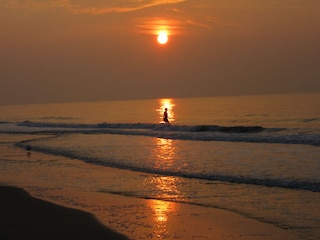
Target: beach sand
(56, 210)
(25, 217)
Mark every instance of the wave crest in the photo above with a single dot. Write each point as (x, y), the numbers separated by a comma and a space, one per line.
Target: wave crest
(254, 134)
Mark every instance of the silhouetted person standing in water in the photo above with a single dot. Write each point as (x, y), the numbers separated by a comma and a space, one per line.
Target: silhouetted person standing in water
(165, 116)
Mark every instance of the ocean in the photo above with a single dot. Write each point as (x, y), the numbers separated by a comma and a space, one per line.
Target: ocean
(258, 156)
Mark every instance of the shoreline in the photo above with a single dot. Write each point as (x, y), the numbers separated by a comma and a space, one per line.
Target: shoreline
(40, 176)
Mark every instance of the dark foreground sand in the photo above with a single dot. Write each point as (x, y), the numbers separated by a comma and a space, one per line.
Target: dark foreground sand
(25, 217)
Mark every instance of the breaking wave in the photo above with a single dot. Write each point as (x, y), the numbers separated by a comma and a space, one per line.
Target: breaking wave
(255, 134)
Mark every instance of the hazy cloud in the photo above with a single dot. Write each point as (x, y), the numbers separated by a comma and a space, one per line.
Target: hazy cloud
(153, 25)
(88, 7)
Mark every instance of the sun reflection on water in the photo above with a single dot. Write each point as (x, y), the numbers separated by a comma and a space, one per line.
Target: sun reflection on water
(169, 104)
(161, 211)
(165, 153)
(165, 187)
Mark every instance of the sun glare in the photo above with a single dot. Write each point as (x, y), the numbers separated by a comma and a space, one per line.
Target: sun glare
(163, 104)
(162, 37)
(162, 30)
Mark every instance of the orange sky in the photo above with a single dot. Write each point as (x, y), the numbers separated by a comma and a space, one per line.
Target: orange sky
(87, 50)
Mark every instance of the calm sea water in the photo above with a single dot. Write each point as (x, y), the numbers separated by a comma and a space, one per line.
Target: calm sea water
(255, 155)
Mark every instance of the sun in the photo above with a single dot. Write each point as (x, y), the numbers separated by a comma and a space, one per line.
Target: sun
(162, 37)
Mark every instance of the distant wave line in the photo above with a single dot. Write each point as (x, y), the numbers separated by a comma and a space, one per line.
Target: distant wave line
(154, 126)
(250, 134)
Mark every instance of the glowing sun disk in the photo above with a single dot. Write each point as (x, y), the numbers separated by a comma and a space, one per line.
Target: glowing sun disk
(162, 37)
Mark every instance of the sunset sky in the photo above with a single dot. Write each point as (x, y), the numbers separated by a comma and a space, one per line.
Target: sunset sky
(92, 50)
